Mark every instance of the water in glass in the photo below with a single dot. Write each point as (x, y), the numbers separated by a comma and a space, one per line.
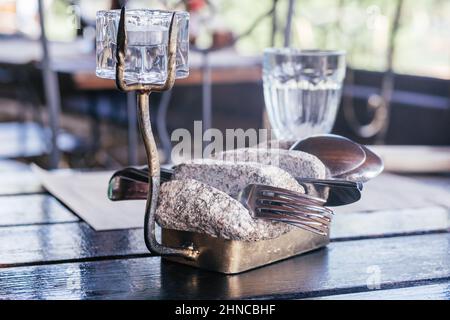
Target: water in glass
(302, 91)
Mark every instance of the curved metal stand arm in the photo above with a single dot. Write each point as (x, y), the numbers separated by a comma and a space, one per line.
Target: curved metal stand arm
(154, 176)
(143, 94)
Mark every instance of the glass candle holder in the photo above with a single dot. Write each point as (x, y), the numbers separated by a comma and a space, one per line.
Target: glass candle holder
(146, 57)
(144, 51)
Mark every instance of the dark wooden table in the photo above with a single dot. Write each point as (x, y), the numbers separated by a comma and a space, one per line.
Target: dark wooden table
(46, 252)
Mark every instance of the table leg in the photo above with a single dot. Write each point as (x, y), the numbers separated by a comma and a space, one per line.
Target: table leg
(51, 92)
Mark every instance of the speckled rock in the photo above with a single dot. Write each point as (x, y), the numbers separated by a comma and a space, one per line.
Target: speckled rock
(190, 205)
(204, 205)
(297, 163)
(232, 177)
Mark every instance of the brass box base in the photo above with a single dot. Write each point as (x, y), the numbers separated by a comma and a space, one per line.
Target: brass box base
(231, 256)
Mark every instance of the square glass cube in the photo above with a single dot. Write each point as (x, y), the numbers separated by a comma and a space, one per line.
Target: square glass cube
(147, 45)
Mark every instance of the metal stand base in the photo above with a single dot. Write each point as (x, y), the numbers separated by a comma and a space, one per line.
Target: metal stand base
(231, 256)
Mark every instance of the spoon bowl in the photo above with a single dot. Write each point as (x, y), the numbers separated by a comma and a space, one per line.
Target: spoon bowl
(339, 154)
(372, 167)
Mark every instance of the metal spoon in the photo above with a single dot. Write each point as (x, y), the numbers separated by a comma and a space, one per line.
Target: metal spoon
(372, 167)
(339, 154)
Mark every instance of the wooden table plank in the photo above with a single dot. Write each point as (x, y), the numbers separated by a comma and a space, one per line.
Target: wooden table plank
(440, 291)
(70, 260)
(389, 192)
(25, 245)
(13, 165)
(353, 225)
(344, 267)
(39, 244)
(33, 209)
(19, 182)
(22, 140)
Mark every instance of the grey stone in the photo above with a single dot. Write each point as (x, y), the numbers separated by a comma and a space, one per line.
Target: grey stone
(206, 204)
(232, 177)
(297, 163)
(190, 205)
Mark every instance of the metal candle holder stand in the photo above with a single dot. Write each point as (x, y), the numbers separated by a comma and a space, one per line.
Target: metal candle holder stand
(143, 105)
(194, 249)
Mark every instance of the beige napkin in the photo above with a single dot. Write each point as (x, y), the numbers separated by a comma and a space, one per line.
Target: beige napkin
(86, 194)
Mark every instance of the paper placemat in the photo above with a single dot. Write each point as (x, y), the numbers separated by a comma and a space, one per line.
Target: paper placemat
(85, 193)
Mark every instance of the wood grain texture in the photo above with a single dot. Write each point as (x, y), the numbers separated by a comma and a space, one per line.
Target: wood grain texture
(26, 245)
(33, 209)
(12, 165)
(355, 225)
(344, 267)
(390, 191)
(43, 258)
(23, 182)
(440, 181)
(38, 244)
(440, 291)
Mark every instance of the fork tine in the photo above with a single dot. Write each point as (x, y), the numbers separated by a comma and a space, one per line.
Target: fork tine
(291, 198)
(309, 228)
(301, 207)
(293, 219)
(305, 214)
(289, 194)
(307, 225)
(275, 205)
(286, 206)
(296, 204)
(298, 199)
(290, 219)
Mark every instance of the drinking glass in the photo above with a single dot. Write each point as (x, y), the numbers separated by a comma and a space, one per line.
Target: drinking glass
(302, 90)
(147, 44)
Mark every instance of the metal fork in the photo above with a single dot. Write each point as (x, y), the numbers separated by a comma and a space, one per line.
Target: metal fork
(287, 206)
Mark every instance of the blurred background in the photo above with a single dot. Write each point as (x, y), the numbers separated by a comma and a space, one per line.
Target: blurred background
(54, 111)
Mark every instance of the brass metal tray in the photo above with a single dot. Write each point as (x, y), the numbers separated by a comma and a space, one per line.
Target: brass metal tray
(231, 256)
